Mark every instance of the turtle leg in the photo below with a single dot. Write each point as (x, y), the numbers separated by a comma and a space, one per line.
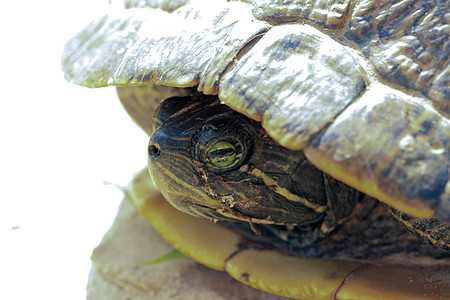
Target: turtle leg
(431, 231)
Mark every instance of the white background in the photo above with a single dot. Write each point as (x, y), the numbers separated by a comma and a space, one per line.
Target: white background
(58, 144)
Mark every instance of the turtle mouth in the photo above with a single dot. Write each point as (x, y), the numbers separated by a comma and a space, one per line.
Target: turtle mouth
(184, 196)
(187, 204)
(194, 200)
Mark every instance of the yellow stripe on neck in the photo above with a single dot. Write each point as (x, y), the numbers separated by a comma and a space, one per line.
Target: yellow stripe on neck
(272, 184)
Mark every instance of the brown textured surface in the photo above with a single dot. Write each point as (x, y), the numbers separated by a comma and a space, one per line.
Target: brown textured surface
(132, 240)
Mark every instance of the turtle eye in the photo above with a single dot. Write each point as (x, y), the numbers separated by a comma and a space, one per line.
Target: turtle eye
(224, 154)
(222, 145)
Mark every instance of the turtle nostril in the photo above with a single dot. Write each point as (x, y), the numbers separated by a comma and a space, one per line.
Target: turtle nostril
(154, 151)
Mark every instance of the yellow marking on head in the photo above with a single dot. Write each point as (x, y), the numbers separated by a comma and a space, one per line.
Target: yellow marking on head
(184, 184)
(272, 184)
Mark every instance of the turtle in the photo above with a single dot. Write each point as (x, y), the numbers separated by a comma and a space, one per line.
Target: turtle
(304, 120)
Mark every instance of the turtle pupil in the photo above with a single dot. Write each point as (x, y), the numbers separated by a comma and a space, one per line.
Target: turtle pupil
(222, 154)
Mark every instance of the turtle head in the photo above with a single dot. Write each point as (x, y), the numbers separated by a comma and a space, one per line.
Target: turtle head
(210, 161)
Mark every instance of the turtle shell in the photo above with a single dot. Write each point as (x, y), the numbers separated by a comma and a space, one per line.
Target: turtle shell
(362, 87)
